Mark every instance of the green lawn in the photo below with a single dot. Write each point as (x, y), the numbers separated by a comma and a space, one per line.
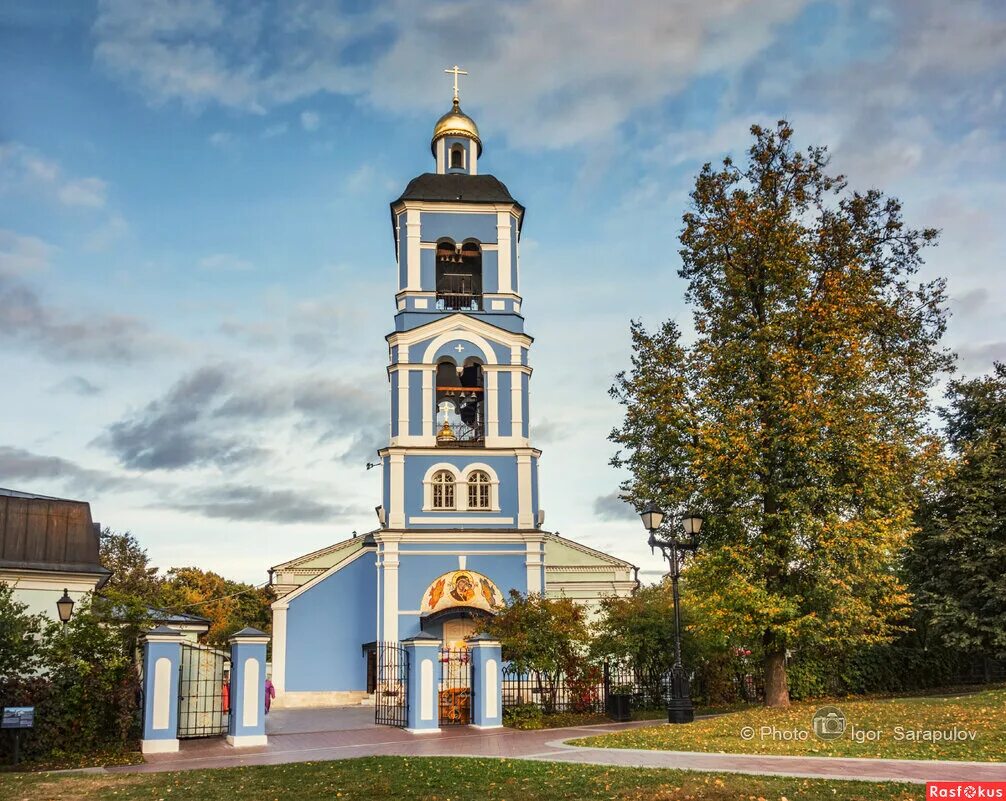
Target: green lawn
(406, 778)
(769, 731)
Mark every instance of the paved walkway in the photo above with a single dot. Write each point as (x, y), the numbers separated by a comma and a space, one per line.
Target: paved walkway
(302, 744)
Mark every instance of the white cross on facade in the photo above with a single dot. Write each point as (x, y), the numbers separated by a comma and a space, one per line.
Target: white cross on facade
(459, 347)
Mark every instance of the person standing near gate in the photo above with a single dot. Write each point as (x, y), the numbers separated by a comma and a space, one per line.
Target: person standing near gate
(270, 693)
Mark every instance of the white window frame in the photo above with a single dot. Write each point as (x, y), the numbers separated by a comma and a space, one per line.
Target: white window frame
(461, 487)
(453, 484)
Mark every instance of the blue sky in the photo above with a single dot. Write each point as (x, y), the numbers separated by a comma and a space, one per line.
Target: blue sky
(196, 263)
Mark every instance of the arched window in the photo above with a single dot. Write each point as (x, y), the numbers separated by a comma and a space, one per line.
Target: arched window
(457, 157)
(479, 490)
(459, 276)
(443, 490)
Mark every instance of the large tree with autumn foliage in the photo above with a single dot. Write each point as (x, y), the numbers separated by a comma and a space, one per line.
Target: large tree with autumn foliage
(797, 418)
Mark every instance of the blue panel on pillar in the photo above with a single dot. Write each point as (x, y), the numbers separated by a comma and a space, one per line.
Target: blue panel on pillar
(416, 402)
(490, 271)
(503, 381)
(428, 270)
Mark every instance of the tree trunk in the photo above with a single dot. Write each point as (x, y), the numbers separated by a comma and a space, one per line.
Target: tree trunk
(776, 688)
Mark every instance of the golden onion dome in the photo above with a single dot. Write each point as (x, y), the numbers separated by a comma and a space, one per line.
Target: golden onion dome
(455, 123)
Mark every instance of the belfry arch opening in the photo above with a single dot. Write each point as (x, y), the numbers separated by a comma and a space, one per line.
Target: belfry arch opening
(457, 157)
(459, 276)
(460, 399)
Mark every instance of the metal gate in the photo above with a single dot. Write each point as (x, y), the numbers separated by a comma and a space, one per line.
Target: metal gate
(455, 699)
(391, 690)
(203, 691)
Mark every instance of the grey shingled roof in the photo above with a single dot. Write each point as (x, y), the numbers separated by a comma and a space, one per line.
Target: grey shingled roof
(458, 187)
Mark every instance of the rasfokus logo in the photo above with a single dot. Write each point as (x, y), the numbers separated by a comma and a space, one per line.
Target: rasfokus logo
(968, 791)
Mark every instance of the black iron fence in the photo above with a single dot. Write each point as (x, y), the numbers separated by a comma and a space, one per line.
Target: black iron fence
(391, 685)
(455, 696)
(554, 692)
(203, 691)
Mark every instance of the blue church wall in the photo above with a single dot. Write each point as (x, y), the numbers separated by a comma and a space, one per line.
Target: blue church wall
(394, 404)
(523, 356)
(450, 349)
(409, 319)
(416, 402)
(326, 626)
(457, 226)
(417, 465)
(505, 404)
(525, 422)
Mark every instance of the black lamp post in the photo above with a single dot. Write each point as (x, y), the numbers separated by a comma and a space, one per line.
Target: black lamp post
(679, 704)
(65, 607)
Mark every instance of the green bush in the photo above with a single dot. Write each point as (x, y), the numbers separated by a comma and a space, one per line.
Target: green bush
(82, 683)
(523, 716)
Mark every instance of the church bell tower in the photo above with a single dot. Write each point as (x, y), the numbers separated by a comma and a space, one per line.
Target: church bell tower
(459, 466)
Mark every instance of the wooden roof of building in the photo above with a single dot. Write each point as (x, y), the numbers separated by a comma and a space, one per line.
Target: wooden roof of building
(39, 532)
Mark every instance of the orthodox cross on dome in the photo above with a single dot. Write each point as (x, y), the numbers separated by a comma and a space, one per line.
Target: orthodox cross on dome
(456, 71)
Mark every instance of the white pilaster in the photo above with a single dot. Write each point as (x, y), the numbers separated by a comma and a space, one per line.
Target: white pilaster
(389, 562)
(503, 245)
(429, 376)
(492, 408)
(517, 403)
(533, 563)
(412, 236)
(279, 648)
(525, 514)
(396, 515)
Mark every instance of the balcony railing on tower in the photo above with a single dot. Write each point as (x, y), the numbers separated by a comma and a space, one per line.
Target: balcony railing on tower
(458, 293)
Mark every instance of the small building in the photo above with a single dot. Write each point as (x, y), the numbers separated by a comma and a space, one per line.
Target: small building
(48, 545)
(461, 518)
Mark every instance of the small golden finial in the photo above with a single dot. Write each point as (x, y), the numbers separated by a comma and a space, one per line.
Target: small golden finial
(456, 70)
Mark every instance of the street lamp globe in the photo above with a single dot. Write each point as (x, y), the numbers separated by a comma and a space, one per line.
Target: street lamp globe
(692, 523)
(652, 517)
(65, 606)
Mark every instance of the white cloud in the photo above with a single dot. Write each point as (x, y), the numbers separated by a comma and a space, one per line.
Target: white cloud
(220, 139)
(25, 168)
(225, 262)
(547, 73)
(23, 254)
(88, 192)
(275, 130)
(107, 234)
(310, 120)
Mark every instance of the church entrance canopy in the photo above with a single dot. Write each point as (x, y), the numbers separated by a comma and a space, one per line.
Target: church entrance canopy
(460, 594)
